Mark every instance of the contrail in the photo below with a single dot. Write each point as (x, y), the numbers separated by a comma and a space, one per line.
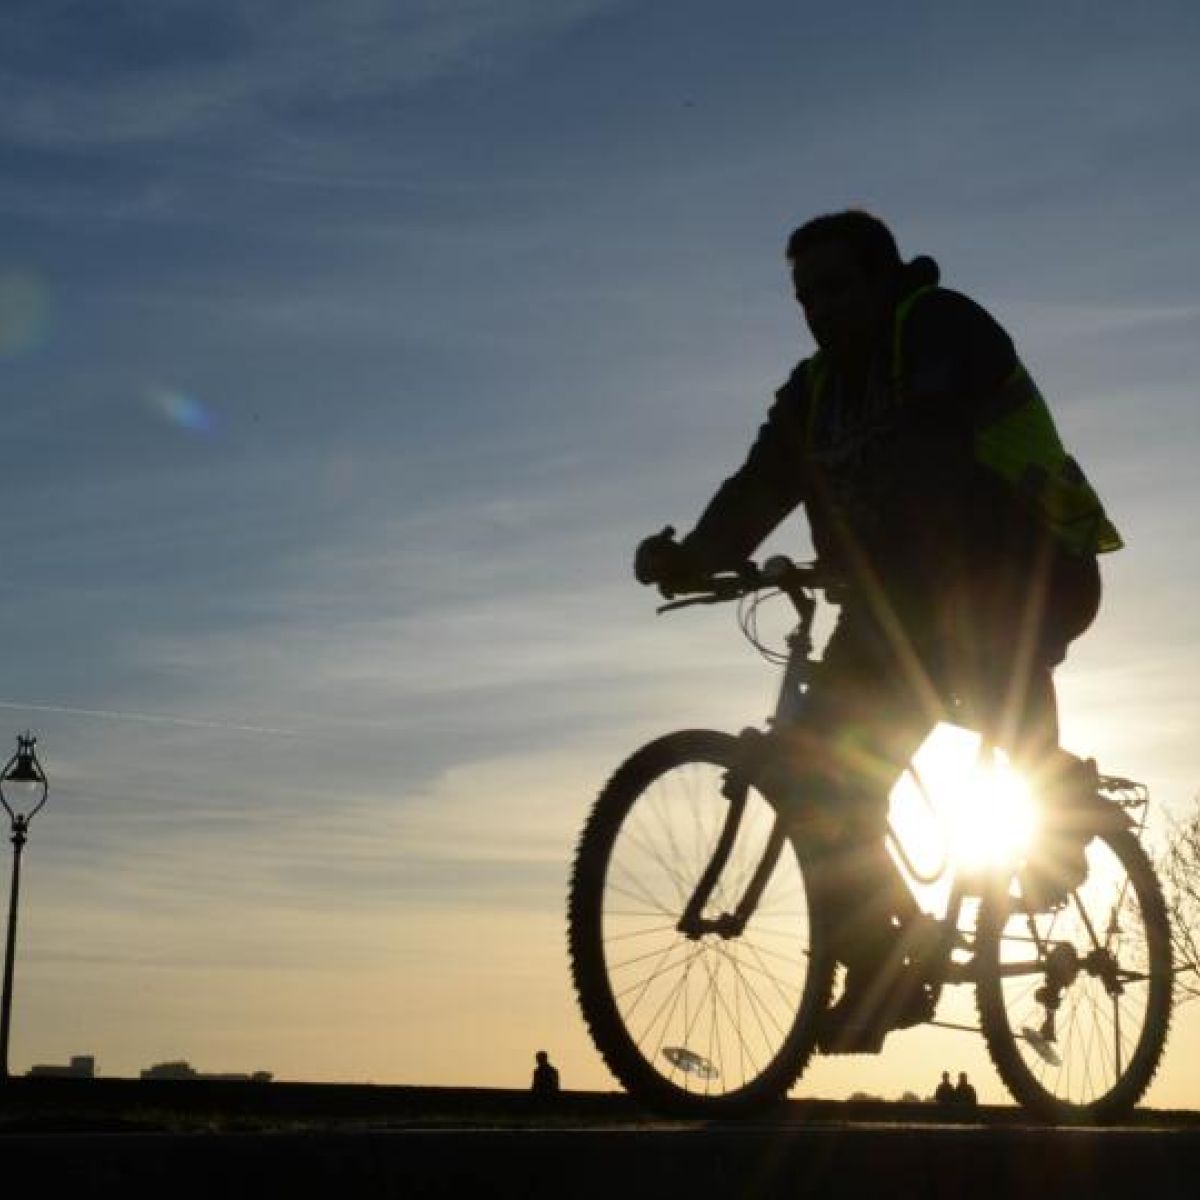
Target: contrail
(147, 718)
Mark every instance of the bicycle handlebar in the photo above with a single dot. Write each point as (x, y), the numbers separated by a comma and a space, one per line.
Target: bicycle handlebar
(777, 572)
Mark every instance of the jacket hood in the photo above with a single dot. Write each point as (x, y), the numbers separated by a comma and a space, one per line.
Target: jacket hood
(919, 272)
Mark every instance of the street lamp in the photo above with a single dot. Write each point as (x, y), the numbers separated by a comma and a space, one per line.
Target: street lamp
(23, 776)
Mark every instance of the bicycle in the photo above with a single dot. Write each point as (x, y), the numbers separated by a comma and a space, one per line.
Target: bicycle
(699, 954)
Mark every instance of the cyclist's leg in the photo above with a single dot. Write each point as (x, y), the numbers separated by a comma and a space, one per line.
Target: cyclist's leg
(862, 723)
(1006, 626)
(1017, 692)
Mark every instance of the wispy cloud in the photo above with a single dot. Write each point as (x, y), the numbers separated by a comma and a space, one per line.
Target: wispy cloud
(1046, 322)
(226, 63)
(108, 714)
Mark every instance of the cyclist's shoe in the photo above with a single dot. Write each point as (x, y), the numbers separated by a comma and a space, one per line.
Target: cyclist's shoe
(872, 1006)
(1057, 865)
(1053, 872)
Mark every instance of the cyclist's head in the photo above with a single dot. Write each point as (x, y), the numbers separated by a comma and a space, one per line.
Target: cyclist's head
(845, 268)
(868, 238)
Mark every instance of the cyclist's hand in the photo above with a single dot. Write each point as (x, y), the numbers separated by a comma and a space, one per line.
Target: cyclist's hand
(662, 560)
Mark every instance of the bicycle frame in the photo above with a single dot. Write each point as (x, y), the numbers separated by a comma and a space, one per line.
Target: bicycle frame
(758, 761)
(789, 706)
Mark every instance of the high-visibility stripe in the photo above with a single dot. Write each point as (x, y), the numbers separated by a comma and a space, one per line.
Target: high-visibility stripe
(1023, 447)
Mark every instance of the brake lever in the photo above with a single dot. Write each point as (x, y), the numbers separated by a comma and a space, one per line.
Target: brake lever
(666, 608)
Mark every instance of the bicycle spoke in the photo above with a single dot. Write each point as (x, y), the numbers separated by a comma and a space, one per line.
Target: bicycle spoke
(795, 962)
(625, 937)
(629, 962)
(668, 868)
(658, 971)
(657, 810)
(760, 1006)
(1109, 996)
(673, 998)
(659, 909)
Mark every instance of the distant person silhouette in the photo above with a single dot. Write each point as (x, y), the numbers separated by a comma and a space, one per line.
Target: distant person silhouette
(965, 537)
(545, 1077)
(945, 1095)
(964, 1093)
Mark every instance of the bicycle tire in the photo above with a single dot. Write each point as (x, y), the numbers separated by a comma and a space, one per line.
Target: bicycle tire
(1103, 1069)
(676, 779)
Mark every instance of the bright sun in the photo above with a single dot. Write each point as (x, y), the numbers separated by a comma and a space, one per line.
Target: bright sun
(970, 817)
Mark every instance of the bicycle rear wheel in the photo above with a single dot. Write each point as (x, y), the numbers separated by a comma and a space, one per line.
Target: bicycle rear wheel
(709, 1024)
(1077, 1025)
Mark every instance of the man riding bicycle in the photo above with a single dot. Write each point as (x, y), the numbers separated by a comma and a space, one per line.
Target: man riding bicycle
(936, 487)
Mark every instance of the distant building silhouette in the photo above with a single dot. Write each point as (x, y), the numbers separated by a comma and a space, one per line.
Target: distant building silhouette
(181, 1069)
(81, 1066)
(169, 1070)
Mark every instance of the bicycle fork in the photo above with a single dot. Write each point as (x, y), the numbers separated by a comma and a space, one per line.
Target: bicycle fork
(692, 923)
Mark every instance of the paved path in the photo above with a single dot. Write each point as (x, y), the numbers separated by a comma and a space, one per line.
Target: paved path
(186, 1139)
(614, 1163)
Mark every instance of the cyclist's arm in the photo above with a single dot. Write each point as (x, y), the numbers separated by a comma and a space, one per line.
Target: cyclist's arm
(767, 487)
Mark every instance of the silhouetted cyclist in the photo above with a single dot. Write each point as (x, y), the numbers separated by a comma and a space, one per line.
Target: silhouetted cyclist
(936, 486)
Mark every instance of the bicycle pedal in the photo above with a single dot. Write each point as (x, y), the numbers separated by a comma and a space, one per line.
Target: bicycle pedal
(852, 1038)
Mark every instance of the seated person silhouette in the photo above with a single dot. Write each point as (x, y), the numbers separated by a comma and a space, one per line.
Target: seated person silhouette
(545, 1077)
(964, 1093)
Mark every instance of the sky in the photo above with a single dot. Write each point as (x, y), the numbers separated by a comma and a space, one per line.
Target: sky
(348, 351)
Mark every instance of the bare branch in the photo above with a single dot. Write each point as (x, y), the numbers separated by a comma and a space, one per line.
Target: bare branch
(1179, 869)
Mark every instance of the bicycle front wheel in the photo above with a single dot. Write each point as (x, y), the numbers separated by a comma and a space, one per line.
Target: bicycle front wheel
(1075, 1005)
(702, 1024)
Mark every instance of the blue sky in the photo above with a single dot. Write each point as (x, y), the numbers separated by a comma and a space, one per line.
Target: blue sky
(349, 349)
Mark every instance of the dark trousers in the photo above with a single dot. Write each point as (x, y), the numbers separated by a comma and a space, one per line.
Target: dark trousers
(980, 653)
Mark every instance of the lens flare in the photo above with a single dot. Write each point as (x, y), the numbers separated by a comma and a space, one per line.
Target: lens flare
(24, 312)
(971, 816)
(181, 410)
(996, 819)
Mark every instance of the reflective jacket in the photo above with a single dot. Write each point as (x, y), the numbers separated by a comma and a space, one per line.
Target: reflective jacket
(939, 455)
(1015, 438)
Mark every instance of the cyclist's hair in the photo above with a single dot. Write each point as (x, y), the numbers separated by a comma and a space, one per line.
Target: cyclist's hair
(869, 239)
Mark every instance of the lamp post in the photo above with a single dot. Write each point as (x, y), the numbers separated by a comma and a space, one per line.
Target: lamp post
(23, 772)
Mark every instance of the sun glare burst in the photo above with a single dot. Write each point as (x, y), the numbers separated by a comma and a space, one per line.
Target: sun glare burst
(958, 811)
(994, 820)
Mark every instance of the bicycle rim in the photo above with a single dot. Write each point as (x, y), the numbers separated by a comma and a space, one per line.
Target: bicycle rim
(1093, 1057)
(705, 1024)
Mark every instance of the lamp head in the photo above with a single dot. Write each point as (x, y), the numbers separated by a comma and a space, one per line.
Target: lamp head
(24, 772)
(24, 766)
